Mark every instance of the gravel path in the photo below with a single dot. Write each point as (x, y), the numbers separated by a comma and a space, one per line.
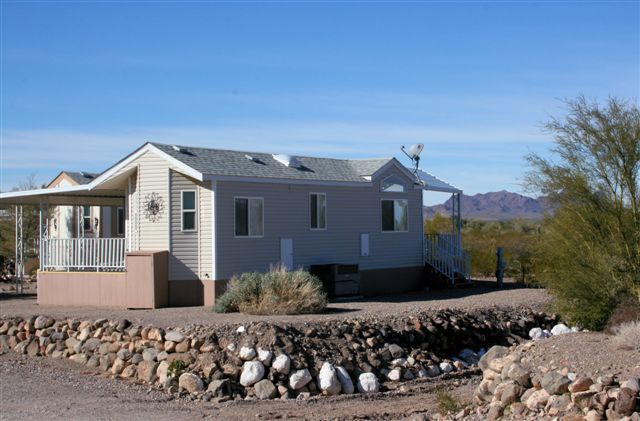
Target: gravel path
(483, 295)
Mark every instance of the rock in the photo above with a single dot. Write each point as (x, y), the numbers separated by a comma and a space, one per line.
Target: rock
(174, 336)
(79, 358)
(446, 367)
(560, 329)
(155, 334)
(328, 380)
(537, 400)
(633, 384)
(396, 351)
(493, 353)
(265, 356)
(129, 371)
(265, 389)
(582, 399)
(555, 383)
(433, 371)
(219, 387)
(185, 357)
(557, 404)
(581, 384)
(368, 383)
(118, 366)
(395, 374)
(241, 329)
(519, 374)
(124, 354)
(247, 353)
(33, 349)
(345, 380)
(537, 334)
(162, 372)
(92, 344)
(43, 322)
(592, 415)
(190, 382)
(147, 371)
(626, 402)
(183, 346)
(282, 364)
(299, 379)
(149, 354)
(252, 372)
(510, 394)
(93, 362)
(495, 412)
(84, 334)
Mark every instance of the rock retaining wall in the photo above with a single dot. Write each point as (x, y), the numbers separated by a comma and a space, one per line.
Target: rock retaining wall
(268, 361)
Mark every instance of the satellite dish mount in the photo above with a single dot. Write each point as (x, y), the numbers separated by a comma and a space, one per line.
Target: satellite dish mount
(414, 155)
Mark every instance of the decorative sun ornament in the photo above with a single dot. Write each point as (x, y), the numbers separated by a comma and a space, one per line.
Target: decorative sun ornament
(153, 207)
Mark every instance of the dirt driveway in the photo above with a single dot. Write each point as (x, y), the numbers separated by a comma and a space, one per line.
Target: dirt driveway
(483, 295)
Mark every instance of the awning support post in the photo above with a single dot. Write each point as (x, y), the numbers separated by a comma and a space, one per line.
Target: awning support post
(19, 263)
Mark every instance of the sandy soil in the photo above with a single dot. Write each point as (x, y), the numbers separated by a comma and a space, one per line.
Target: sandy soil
(44, 388)
(483, 295)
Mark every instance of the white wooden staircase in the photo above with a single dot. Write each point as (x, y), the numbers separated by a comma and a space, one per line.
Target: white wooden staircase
(444, 253)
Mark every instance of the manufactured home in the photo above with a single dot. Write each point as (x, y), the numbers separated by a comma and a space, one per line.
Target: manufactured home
(170, 225)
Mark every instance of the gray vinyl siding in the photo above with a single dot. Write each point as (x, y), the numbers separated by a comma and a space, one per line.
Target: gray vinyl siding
(190, 253)
(350, 212)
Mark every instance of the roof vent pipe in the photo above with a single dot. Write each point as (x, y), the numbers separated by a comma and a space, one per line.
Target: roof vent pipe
(287, 160)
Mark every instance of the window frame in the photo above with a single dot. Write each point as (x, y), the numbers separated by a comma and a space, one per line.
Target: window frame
(399, 183)
(394, 231)
(85, 217)
(326, 212)
(194, 210)
(124, 221)
(248, 198)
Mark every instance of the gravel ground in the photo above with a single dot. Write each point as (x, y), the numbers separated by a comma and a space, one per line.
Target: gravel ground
(62, 390)
(483, 295)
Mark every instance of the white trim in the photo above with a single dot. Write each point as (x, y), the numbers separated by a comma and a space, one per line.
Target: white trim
(194, 210)
(214, 248)
(184, 168)
(248, 217)
(394, 215)
(396, 163)
(296, 181)
(326, 212)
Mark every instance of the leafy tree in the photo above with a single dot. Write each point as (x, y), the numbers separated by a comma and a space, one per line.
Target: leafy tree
(589, 253)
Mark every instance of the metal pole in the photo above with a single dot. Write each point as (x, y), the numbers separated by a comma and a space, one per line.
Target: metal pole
(19, 263)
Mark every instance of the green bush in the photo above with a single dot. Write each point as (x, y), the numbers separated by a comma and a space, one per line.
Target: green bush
(278, 291)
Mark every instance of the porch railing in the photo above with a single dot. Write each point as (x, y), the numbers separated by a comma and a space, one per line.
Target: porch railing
(99, 254)
(445, 254)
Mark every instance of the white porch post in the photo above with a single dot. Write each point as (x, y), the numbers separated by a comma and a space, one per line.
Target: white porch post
(19, 263)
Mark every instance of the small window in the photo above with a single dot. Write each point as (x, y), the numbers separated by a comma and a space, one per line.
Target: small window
(120, 221)
(318, 211)
(392, 184)
(249, 217)
(188, 210)
(86, 218)
(395, 215)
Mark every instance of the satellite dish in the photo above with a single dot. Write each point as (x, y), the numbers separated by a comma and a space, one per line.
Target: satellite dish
(414, 154)
(415, 149)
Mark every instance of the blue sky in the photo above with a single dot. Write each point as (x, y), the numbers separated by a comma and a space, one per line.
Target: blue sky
(84, 83)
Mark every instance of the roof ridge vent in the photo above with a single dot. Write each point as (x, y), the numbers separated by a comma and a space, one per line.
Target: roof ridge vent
(179, 149)
(86, 174)
(287, 160)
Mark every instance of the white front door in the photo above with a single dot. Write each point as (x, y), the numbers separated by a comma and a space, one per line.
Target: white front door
(286, 252)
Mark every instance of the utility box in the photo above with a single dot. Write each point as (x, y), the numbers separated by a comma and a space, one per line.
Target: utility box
(338, 280)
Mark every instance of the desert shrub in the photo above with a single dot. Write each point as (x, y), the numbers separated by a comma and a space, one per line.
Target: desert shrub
(627, 311)
(446, 403)
(627, 336)
(176, 368)
(589, 251)
(278, 291)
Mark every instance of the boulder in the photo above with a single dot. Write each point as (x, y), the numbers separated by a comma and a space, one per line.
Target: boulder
(633, 384)
(537, 400)
(247, 353)
(124, 354)
(299, 378)
(626, 402)
(555, 383)
(396, 351)
(174, 336)
(345, 380)
(265, 389)
(446, 367)
(33, 349)
(510, 393)
(129, 371)
(147, 371)
(395, 374)
(580, 384)
(265, 356)
(519, 374)
(149, 354)
(433, 370)
(493, 353)
(219, 387)
(118, 365)
(162, 372)
(79, 358)
(43, 322)
(92, 344)
(557, 404)
(537, 334)
(282, 364)
(190, 382)
(560, 329)
(328, 381)
(368, 383)
(252, 372)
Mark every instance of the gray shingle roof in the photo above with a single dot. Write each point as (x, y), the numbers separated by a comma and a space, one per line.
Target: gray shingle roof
(235, 163)
(81, 177)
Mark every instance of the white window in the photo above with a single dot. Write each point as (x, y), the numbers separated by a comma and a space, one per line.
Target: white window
(86, 218)
(318, 211)
(249, 216)
(392, 184)
(120, 221)
(395, 215)
(188, 210)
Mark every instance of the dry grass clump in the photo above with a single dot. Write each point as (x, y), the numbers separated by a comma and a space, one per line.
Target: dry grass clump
(627, 335)
(278, 291)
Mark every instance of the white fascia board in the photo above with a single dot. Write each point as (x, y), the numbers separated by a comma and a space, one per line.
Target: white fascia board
(397, 164)
(38, 192)
(287, 181)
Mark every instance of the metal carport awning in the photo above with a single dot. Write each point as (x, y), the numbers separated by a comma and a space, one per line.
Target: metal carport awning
(66, 196)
